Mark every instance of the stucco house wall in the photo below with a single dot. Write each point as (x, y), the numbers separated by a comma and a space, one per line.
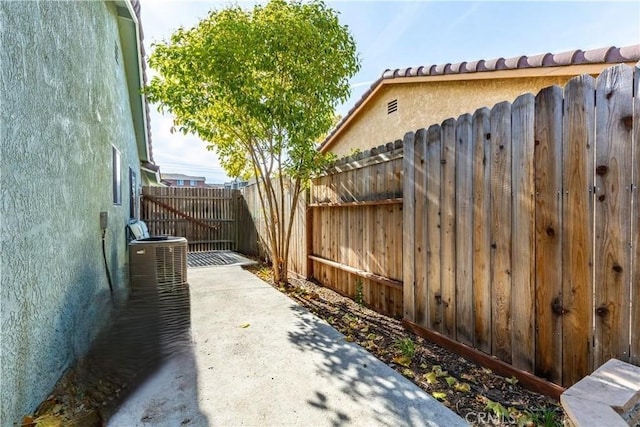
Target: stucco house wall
(65, 101)
(426, 103)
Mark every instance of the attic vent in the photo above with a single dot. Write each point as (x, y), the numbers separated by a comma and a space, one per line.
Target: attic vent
(392, 106)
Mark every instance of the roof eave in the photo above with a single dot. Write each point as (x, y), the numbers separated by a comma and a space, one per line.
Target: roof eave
(129, 28)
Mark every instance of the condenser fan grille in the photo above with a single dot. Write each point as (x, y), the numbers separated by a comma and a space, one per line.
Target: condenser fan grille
(171, 265)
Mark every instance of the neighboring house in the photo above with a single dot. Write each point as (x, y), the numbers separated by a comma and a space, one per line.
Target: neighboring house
(236, 184)
(75, 143)
(181, 180)
(407, 99)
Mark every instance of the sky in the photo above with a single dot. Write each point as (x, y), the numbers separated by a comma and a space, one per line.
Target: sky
(396, 34)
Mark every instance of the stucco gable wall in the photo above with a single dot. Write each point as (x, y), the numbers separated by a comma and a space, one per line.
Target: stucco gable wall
(423, 104)
(64, 103)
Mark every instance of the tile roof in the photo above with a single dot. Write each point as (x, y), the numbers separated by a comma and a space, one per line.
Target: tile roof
(604, 55)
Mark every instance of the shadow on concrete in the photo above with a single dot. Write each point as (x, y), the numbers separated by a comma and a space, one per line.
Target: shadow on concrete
(152, 331)
(364, 379)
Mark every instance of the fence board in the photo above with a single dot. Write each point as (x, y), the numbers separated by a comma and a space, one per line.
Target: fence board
(501, 230)
(448, 230)
(419, 218)
(433, 153)
(635, 215)
(464, 229)
(481, 240)
(523, 229)
(577, 223)
(613, 166)
(548, 232)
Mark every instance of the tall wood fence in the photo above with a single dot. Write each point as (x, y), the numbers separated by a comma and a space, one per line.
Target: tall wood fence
(254, 232)
(520, 233)
(514, 230)
(207, 217)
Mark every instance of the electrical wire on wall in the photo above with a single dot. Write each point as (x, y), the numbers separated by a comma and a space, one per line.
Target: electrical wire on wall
(103, 226)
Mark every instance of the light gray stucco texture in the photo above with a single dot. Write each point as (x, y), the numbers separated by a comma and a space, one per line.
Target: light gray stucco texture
(64, 103)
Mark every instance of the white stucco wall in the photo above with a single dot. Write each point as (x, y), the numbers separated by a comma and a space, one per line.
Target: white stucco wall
(64, 103)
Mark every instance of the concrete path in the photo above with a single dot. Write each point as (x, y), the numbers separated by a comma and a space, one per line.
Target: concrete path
(287, 367)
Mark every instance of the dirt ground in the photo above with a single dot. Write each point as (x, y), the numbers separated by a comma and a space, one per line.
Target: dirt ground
(477, 394)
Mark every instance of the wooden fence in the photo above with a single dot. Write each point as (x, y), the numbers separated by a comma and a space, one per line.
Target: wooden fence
(254, 232)
(514, 232)
(519, 228)
(355, 214)
(207, 217)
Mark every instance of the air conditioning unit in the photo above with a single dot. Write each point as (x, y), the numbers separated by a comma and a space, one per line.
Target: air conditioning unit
(159, 297)
(157, 264)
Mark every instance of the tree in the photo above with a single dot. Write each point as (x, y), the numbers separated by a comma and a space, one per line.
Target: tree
(261, 87)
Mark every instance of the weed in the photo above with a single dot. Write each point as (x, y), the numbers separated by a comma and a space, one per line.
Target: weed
(406, 347)
(547, 417)
(359, 298)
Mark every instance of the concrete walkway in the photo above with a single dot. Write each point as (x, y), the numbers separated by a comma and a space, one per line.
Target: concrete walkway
(287, 367)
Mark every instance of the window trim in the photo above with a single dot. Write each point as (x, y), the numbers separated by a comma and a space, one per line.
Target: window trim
(133, 194)
(116, 176)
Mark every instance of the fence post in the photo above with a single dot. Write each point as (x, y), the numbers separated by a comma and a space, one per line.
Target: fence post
(309, 234)
(408, 227)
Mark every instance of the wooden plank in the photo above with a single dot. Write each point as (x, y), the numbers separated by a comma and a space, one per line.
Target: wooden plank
(396, 185)
(420, 232)
(396, 153)
(386, 281)
(309, 236)
(523, 228)
(481, 236)
(381, 256)
(464, 229)
(614, 105)
(501, 230)
(635, 249)
(432, 162)
(577, 228)
(548, 233)
(394, 201)
(409, 228)
(448, 228)
(528, 380)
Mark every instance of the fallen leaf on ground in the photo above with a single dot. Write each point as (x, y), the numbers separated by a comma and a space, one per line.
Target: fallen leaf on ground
(402, 360)
(245, 325)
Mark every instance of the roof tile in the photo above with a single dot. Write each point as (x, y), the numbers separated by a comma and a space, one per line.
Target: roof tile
(597, 56)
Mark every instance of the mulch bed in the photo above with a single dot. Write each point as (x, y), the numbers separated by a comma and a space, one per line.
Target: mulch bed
(477, 394)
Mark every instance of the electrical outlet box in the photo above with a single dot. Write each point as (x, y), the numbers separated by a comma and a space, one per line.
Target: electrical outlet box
(104, 220)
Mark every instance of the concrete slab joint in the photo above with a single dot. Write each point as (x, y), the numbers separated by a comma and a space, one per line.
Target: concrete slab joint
(609, 396)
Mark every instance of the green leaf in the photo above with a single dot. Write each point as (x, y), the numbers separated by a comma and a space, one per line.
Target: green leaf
(245, 325)
(430, 377)
(462, 387)
(497, 409)
(450, 380)
(437, 369)
(439, 395)
(513, 380)
(402, 360)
